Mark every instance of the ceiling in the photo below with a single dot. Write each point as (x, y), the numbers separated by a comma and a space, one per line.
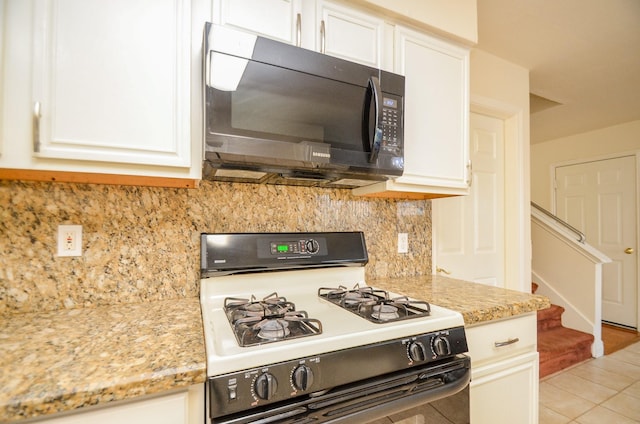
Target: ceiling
(583, 55)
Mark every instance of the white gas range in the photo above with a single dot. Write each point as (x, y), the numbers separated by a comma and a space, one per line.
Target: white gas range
(294, 335)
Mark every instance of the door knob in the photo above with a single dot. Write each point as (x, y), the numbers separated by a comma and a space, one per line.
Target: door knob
(628, 250)
(438, 269)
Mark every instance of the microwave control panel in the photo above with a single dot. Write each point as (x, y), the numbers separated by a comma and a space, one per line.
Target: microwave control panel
(391, 123)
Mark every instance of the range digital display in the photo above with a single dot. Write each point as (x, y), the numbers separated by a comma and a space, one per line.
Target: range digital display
(287, 247)
(282, 248)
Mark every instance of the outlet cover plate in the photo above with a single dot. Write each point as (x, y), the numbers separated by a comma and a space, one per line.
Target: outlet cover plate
(403, 243)
(69, 240)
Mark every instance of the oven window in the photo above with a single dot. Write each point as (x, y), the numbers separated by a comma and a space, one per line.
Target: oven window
(272, 102)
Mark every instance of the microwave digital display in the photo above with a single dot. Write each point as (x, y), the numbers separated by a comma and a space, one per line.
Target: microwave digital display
(387, 102)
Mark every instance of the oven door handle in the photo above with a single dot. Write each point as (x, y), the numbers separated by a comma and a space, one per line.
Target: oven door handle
(339, 408)
(344, 397)
(372, 406)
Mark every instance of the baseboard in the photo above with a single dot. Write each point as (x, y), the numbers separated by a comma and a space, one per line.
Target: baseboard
(620, 326)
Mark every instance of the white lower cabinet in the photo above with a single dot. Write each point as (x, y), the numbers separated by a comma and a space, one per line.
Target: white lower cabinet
(503, 392)
(504, 371)
(183, 407)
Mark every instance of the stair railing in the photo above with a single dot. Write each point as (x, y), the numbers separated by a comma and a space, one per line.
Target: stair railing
(581, 237)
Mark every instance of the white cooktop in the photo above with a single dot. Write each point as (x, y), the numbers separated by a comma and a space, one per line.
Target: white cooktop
(341, 328)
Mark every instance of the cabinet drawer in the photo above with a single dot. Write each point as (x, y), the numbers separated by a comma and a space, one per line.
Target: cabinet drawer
(499, 339)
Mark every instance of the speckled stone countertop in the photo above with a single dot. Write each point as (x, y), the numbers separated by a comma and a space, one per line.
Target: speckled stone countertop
(63, 360)
(476, 302)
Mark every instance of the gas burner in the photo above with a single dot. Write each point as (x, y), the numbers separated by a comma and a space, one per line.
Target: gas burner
(375, 305)
(384, 312)
(272, 329)
(268, 320)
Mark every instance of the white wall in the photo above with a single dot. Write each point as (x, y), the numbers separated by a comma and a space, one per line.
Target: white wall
(457, 18)
(500, 88)
(569, 273)
(623, 138)
(492, 76)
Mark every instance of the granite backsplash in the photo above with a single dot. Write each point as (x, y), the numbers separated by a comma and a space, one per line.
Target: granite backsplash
(142, 243)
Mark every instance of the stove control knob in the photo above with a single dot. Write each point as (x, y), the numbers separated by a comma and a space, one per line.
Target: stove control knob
(417, 352)
(441, 346)
(265, 386)
(312, 246)
(302, 377)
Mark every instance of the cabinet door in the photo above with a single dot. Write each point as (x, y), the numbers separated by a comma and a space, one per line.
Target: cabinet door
(506, 392)
(277, 19)
(111, 81)
(350, 34)
(183, 407)
(436, 133)
(2, 60)
(170, 409)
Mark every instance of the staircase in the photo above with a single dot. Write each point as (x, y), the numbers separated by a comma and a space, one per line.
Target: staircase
(559, 347)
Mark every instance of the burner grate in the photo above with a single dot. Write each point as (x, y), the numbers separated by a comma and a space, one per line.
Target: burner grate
(268, 320)
(375, 305)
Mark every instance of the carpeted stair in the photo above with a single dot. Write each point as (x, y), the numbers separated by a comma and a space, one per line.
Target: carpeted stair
(559, 347)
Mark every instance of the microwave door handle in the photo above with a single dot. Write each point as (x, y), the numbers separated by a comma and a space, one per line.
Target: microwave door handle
(376, 137)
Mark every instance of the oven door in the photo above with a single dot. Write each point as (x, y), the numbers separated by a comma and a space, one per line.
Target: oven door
(439, 388)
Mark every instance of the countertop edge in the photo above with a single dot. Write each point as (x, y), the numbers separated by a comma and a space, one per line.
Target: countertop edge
(476, 302)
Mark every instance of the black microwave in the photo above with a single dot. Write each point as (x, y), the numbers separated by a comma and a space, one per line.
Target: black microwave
(281, 114)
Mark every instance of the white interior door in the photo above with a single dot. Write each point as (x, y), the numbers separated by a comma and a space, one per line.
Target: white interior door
(469, 230)
(599, 199)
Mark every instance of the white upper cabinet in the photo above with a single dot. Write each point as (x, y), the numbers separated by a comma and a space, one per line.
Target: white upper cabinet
(111, 80)
(323, 26)
(277, 19)
(436, 134)
(350, 34)
(2, 61)
(103, 86)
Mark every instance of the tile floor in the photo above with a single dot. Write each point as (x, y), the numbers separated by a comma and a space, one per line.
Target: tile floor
(602, 390)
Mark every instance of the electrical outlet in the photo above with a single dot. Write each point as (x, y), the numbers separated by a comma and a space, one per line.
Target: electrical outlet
(69, 240)
(403, 243)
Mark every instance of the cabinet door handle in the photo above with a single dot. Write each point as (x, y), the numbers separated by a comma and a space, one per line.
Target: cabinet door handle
(323, 37)
(36, 126)
(470, 173)
(298, 30)
(507, 343)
